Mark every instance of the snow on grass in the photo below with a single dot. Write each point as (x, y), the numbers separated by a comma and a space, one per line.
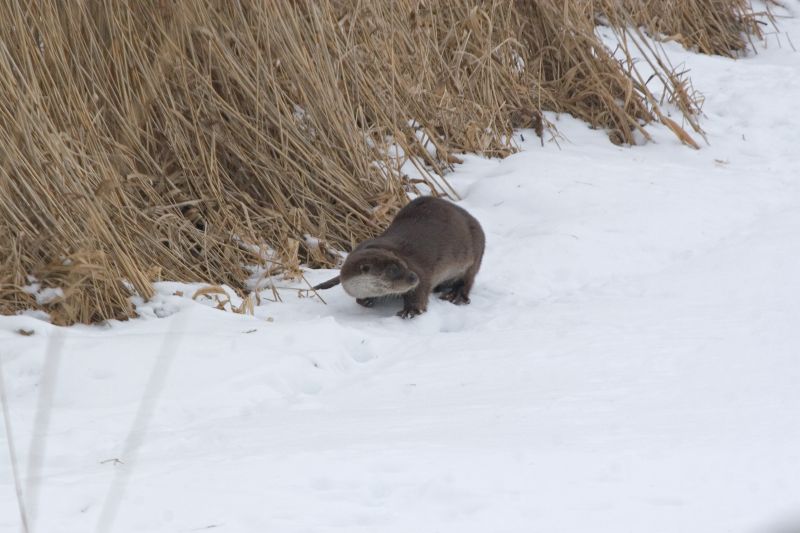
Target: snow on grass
(629, 361)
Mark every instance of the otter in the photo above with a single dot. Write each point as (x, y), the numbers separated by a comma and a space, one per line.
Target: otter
(432, 245)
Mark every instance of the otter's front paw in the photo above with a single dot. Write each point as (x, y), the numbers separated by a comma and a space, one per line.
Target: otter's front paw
(410, 312)
(366, 302)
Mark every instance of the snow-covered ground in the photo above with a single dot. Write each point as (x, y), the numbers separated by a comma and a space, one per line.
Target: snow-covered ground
(630, 362)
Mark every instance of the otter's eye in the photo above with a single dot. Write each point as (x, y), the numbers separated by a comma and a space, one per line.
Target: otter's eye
(365, 269)
(393, 271)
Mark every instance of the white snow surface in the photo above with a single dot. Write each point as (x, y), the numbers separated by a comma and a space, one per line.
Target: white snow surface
(630, 362)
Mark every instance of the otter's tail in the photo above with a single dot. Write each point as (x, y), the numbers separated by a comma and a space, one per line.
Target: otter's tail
(327, 284)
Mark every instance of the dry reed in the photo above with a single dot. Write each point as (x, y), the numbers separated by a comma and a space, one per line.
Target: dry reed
(189, 140)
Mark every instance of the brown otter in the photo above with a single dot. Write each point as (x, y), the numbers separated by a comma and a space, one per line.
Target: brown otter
(431, 245)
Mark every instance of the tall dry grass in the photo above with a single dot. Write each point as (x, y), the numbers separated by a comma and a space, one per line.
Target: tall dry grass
(722, 27)
(184, 140)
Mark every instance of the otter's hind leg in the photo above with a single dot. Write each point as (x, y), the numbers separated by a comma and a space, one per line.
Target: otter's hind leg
(458, 292)
(446, 286)
(453, 292)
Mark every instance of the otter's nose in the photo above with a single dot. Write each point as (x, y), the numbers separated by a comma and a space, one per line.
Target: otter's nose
(412, 278)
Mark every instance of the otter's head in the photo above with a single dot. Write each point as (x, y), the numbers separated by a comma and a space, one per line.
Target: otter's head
(374, 272)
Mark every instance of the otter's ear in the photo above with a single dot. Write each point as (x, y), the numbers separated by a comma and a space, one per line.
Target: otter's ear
(396, 260)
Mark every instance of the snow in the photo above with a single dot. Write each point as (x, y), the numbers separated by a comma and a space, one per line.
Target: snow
(629, 361)
(43, 295)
